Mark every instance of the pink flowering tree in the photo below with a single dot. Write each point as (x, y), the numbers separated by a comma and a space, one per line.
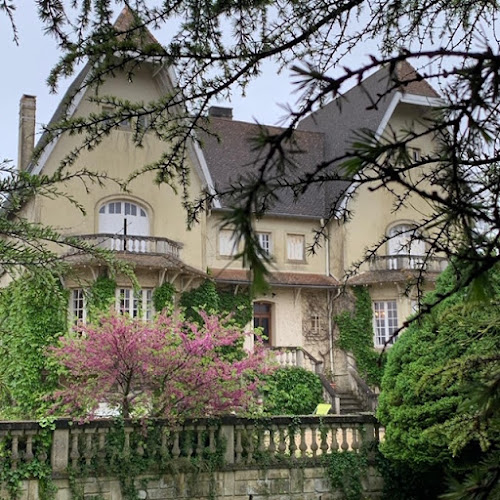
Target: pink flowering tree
(166, 368)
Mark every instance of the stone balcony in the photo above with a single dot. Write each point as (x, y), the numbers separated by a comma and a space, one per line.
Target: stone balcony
(133, 244)
(407, 262)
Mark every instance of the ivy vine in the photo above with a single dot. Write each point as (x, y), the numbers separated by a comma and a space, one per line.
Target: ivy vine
(33, 312)
(38, 467)
(203, 297)
(163, 296)
(344, 470)
(101, 297)
(356, 336)
(216, 301)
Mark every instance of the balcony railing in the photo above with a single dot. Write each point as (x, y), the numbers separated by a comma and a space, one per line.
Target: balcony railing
(133, 244)
(403, 262)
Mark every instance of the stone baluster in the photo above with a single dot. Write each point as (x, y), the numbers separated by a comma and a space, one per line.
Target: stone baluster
(14, 450)
(292, 446)
(89, 448)
(299, 358)
(238, 448)
(335, 444)
(74, 453)
(126, 442)
(211, 438)
(189, 440)
(345, 445)
(140, 447)
(324, 440)
(101, 446)
(272, 444)
(282, 443)
(314, 443)
(355, 444)
(262, 445)
(164, 443)
(2, 457)
(200, 445)
(29, 456)
(303, 444)
(250, 443)
(176, 451)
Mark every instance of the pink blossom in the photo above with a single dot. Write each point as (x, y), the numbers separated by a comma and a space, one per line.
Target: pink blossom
(163, 368)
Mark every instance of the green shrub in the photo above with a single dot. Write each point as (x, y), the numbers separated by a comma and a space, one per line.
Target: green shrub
(292, 391)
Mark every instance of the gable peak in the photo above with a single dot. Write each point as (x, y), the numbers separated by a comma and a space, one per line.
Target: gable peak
(411, 81)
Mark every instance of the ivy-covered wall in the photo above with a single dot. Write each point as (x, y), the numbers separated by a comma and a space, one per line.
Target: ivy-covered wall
(217, 301)
(33, 315)
(356, 336)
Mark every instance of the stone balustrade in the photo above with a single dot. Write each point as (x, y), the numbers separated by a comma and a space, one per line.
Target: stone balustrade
(407, 262)
(242, 441)
(133, 244)
(296, 356)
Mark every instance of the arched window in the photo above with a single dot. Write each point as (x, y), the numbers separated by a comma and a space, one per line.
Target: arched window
(124, 218)
(406, 243)
(120, 217)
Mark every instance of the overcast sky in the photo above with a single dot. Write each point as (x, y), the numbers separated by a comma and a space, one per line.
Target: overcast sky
(27, 65)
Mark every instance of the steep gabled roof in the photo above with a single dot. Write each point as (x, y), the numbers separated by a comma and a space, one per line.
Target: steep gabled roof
(416, 85)
(77, 89)
(232, 156)
(369, 105)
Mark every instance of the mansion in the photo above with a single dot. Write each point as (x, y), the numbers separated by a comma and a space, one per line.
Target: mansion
(146, 226)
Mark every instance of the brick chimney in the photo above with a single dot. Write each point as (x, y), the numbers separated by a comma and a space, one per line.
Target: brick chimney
(221, 112)
(27, 114)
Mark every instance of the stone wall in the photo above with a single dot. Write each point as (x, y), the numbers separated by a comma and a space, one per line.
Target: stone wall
(299, 483)
(230, 458)
(316, 340)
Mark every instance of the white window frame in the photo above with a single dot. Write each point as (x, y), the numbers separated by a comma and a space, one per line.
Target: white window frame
(228, 246)
(385, 321)
(404, 242)
(265, 242)
(295, 250)
(315, 323)
(416, 154)
(137, 304)
(78, 306)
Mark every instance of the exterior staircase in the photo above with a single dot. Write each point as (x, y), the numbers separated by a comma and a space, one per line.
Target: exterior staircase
(360, 399)
(350, 404)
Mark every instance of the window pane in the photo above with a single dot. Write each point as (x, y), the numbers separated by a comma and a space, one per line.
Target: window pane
(385, 321)
(265, 242)
(261, 308)
(227, 243)
(78, 305)
(295, 247)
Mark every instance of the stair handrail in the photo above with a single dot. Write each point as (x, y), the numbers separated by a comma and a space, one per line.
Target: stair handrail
(364, 390)
(329, 392)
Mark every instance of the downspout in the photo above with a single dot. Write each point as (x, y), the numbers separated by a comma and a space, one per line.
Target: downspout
(328, 298)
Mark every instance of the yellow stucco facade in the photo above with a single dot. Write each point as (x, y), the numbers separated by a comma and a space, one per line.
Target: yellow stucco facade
(301, 298)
